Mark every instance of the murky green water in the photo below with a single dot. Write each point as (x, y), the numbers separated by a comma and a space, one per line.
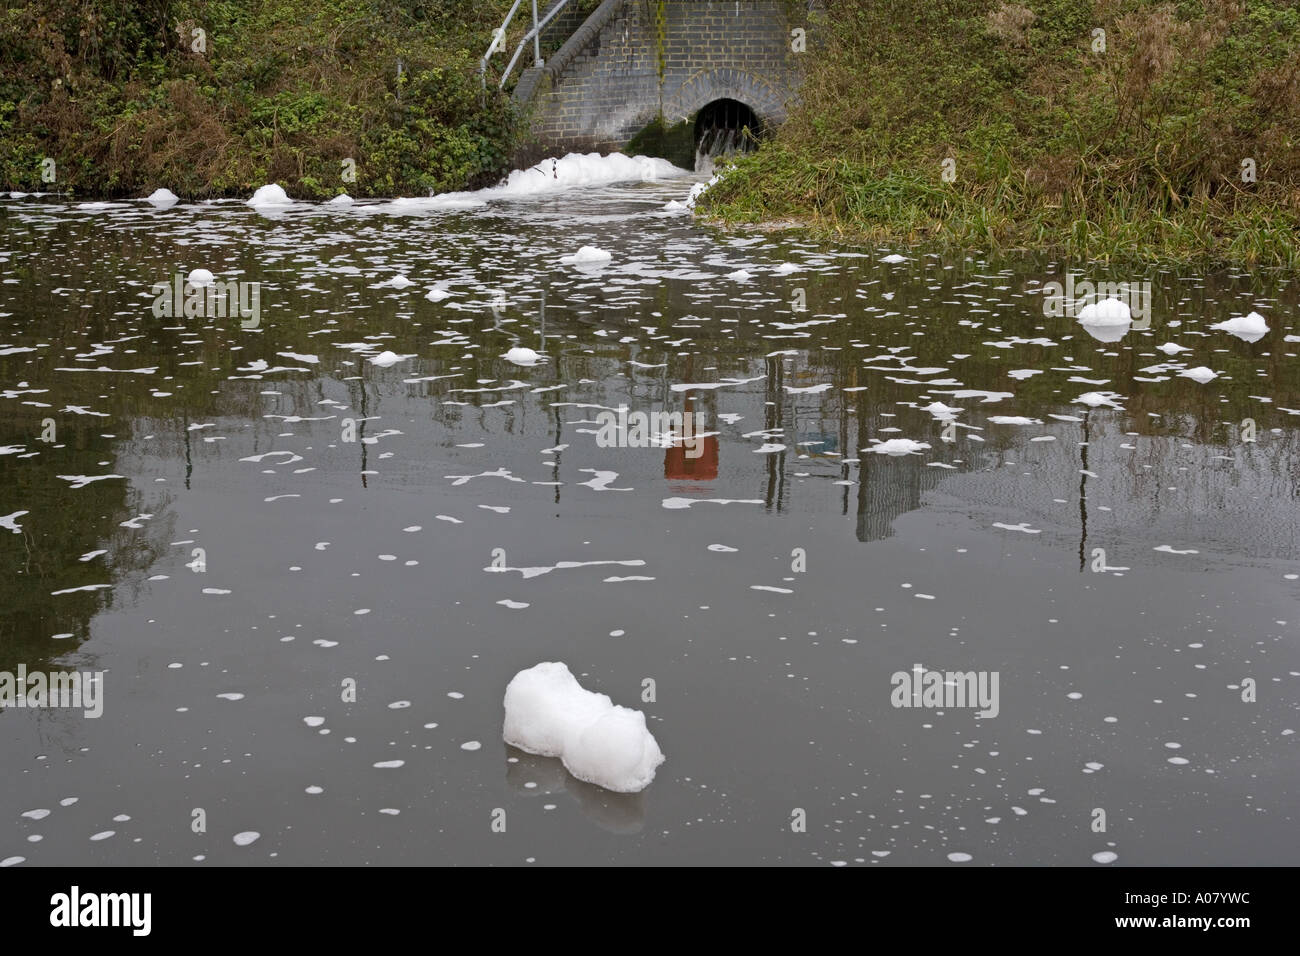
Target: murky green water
(1127, 567)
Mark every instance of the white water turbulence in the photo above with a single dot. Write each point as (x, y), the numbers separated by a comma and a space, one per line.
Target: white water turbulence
(550, 714)
(552, 176)
(713, 145)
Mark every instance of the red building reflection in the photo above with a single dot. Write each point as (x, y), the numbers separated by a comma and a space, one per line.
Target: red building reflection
(703, 467)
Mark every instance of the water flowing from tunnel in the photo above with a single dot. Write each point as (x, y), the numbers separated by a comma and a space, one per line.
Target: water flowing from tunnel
(723, 127)
(714, 143)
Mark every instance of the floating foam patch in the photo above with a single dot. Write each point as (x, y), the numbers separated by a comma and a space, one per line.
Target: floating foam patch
(550, 714)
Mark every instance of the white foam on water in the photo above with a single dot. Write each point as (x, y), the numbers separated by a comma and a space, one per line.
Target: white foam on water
(578, 169)
(11, 522)
(1248, 328)
(547, 178)
(807, 389)
(1199, 374)
(547, 712)
(521, 356)
(1023, 526)
(80, 481)
(1098, 399)
(674, 504)
(941, 411)
(269, 195)
(84, 587)
(981, 394)
(1107, 312)
(897, 447)
(699, 189)
(691, 386)
(587, 255)
(601, 481)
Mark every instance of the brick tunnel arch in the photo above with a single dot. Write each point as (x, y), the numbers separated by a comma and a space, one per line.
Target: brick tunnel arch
(708, 86)
(635, 75)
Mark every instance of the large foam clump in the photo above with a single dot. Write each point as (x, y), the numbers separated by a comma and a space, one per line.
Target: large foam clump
(577, 169)
(1248, 328)
(1110, 311)
(549, 713)
(269, 195)
(550, 176)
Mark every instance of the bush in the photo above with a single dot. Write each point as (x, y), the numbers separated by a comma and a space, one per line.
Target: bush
(116, 93)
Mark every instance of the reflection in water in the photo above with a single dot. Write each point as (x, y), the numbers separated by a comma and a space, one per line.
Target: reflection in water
(1083, 492)
(533, 776)
(693, 464)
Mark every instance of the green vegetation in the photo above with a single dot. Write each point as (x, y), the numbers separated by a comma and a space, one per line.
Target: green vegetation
(125, 96)
(1136, 150)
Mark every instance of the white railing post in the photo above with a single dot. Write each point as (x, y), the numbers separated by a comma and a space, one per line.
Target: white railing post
(498, 42)
(537, 39)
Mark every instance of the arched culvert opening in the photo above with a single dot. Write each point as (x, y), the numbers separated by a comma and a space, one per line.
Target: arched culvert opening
(722, 127)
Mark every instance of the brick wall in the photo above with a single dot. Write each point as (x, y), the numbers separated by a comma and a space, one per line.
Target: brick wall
(613, 76)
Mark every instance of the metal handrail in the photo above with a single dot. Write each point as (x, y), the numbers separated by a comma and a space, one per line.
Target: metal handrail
(499, 36)
(535, 34)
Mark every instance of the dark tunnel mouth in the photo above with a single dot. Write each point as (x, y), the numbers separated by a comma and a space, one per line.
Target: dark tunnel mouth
(721, 117)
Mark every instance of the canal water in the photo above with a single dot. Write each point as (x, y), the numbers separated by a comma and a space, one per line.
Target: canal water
(306, 577)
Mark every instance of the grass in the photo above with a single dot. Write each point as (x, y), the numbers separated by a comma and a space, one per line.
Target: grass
(1134, 152)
